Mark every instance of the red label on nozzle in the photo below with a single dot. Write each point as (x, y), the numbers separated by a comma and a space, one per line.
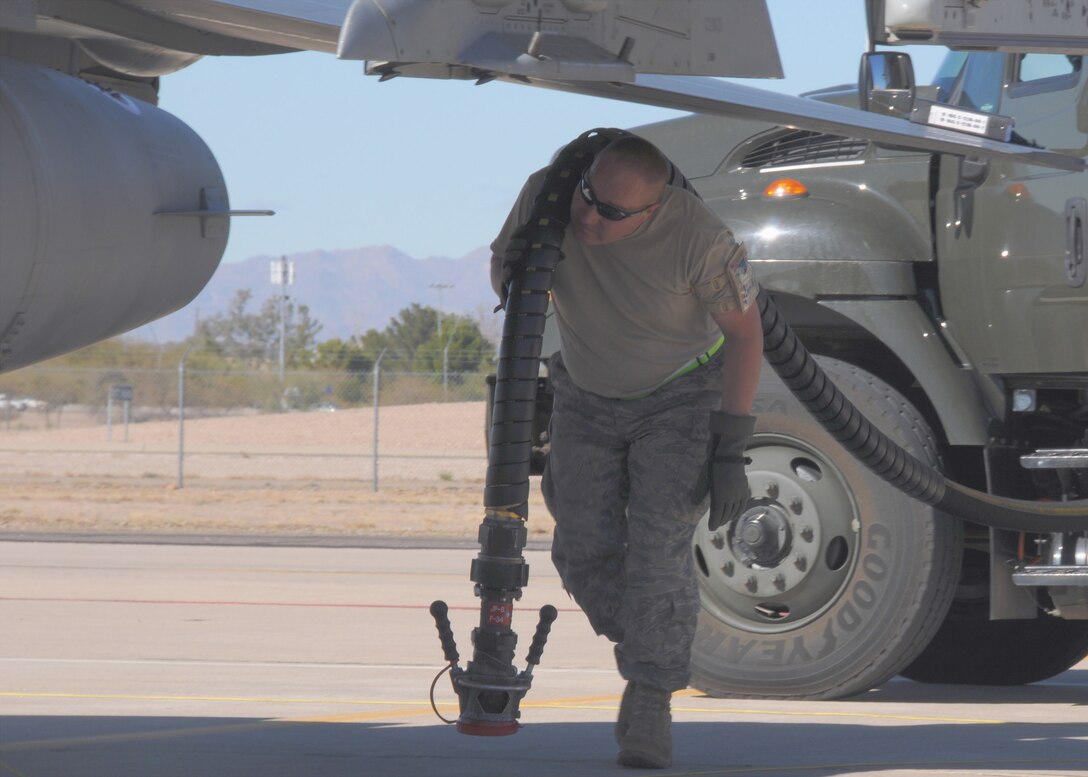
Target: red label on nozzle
(499, 613)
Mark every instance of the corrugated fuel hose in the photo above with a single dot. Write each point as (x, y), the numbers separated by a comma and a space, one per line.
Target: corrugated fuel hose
(801, 373)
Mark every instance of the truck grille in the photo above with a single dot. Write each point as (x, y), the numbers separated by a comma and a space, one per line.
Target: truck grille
(801, 147)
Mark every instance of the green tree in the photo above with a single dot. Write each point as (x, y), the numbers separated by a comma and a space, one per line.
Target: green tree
(253, 338)
(351, 358)
(300, 328)
(407, 332)
(420, 339)
(338, 355)
(460, 348)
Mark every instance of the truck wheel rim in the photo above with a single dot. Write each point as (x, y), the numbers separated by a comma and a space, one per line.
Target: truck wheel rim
(790, 554)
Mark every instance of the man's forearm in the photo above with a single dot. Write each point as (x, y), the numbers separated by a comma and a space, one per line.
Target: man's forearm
(740, 375)
(743, 351)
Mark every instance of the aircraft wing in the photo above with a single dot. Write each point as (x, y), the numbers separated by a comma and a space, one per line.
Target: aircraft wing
(645, 51)
(590, 38)
(199, 27)
(631, 50)
(723, 98)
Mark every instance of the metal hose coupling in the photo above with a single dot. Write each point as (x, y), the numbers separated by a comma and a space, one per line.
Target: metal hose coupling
(490, 691)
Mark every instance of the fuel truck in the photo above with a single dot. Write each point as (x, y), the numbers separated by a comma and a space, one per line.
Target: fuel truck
(945, 296)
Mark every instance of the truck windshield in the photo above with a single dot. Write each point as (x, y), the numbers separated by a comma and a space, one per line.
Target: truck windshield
(947, 74)
(972, 80)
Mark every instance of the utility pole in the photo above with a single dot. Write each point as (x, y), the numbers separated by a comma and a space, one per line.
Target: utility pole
(446, 364)
(283, 275)
(441, 287)
(376, 391)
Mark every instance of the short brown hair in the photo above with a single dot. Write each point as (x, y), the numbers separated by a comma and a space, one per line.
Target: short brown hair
(641, 156)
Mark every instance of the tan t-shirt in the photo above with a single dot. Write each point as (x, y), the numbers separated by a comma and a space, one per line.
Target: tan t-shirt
(633, 312)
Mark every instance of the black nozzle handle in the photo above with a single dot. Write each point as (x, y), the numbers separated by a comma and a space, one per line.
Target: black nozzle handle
(440, 613)
(548, 614)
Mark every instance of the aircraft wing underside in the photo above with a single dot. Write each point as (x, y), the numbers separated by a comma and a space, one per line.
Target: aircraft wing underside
(723, 98)
(202, 27)
(603, 48)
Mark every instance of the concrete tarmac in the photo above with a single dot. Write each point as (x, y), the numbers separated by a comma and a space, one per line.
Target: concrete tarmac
(127, 660)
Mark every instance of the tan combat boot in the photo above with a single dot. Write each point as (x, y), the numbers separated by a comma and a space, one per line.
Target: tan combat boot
(644, 728)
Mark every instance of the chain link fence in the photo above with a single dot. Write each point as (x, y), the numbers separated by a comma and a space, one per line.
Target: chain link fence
(382, 428)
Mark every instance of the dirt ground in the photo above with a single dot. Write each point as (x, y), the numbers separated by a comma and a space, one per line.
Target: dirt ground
(298, 474)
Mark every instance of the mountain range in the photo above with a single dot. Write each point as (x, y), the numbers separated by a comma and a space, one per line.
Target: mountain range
(348, 291)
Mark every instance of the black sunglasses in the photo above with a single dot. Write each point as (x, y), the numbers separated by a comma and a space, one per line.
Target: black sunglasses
(610, 212)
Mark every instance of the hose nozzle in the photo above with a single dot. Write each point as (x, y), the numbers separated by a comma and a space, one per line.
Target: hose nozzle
(489, 703)
(490, 688)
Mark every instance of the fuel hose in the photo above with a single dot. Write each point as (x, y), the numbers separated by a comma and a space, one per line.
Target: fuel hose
(531, 261)
(802, 374)
(490, 689)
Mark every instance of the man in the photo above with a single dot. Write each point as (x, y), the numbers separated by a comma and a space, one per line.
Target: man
(661, 351)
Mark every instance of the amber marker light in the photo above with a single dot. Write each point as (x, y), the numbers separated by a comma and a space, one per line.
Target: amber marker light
(1019, 191)
(785, 189)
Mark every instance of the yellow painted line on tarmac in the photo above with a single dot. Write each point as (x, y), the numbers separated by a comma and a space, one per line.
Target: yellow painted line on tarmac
(558, 703)
(827, 714)
(690, 692)
(772, 713)
(607, 703)
(400, 709)
(393, 710)
(138, 736)
(225, 728)
(404, 709)
(250, 699)
(589, 704)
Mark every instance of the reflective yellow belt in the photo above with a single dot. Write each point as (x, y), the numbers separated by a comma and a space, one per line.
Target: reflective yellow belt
(698, 361)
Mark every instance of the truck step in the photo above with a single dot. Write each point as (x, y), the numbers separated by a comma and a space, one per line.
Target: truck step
(1065, 576)
(1056, 458)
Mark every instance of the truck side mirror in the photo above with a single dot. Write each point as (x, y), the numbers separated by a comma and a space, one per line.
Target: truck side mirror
(886, 83)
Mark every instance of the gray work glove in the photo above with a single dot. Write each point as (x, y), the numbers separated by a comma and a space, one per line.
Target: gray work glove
(724, 476)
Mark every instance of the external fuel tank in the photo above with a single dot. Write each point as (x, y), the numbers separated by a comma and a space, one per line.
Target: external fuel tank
(106, 213)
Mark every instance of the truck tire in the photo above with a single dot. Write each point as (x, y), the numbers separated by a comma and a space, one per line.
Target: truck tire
(831, 581)
(1013, 652)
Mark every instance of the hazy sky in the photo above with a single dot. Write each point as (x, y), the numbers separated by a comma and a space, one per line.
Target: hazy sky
(430, 167)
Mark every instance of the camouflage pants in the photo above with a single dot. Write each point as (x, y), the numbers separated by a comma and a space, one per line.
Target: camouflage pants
(619, 481)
